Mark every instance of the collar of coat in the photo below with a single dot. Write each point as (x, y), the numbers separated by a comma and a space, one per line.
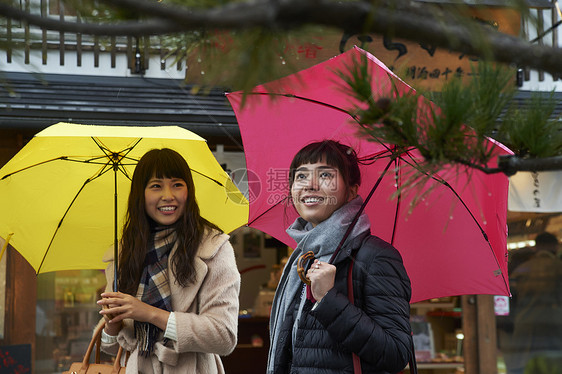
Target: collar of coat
(211, 241)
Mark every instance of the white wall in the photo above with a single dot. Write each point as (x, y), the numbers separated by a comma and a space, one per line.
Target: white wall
(548, 84)
(70, 65)
(236, 167)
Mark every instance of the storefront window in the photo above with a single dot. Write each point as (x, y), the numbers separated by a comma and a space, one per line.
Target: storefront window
(530, 335)
(2, 292)
(66, 315)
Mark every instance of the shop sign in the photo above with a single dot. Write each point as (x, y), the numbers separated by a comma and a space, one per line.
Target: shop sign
(421, 65)
(501, 305)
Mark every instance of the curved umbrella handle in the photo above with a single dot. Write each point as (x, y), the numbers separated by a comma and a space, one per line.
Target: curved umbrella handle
(303, 264)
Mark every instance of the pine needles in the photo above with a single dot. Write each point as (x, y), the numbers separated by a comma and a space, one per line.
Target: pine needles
(455, 126)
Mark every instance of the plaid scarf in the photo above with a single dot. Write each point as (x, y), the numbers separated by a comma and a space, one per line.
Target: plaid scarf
(154, 286)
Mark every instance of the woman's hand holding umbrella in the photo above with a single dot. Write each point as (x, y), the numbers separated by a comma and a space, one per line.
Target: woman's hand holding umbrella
(121, 305)
(322, 276)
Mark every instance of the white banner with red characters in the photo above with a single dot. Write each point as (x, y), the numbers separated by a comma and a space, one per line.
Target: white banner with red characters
(539, 192)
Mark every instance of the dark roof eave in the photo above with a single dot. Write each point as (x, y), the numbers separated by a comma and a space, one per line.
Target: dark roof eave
(36, 101)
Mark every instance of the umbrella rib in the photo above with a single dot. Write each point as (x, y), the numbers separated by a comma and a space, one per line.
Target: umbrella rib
(398, 198)
(63, 158)
(60, 224)
(121, 168)
(116, 157)
(446, 184)
(125, 156)
(266, 211)
(108, 152)
(391, 153)
(358, 214)
(89, 161)
(206, 176)
(386, 153)
(305, 99)
(104, 171)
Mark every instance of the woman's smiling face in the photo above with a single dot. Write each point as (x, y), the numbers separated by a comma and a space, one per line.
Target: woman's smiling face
(165, 199)
(318, 190)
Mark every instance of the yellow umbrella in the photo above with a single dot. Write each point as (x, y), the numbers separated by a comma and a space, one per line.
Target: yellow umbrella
(65, 193)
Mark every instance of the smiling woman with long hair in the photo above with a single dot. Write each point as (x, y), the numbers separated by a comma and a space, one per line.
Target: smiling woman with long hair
(177, 305)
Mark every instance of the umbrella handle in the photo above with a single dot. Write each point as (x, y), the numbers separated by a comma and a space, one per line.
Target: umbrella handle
(303, 264)
(109, 316)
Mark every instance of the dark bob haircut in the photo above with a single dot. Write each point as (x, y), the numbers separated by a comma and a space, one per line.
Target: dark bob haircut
(334, 153)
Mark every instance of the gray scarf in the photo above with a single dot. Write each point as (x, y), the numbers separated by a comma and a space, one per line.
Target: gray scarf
(322, 240)
(326, 236)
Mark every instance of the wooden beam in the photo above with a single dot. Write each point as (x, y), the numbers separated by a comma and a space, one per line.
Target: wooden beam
(470, 342)
(479, 328)
(487, 336)
(21, 302)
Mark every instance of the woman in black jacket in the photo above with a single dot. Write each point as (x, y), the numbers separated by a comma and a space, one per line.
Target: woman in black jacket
(317, 329)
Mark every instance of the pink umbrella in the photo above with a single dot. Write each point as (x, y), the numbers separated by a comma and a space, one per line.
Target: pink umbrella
(452, 239)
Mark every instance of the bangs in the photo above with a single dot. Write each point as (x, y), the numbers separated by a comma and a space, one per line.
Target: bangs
(334, 154)
(164, 163)
(168, 167)
(314, 153)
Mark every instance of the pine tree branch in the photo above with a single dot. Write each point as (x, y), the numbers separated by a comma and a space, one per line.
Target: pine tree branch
(512, 164)
(124, 28)
(356, 17)
(235, 16)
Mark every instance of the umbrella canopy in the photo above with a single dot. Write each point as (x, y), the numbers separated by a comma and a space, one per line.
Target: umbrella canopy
(65, 193)
(451, 232)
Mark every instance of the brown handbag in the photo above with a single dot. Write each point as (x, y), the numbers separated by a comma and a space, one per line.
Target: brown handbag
(85, 367)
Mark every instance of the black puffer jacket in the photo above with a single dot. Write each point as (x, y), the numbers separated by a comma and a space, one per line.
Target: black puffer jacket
(376, 328)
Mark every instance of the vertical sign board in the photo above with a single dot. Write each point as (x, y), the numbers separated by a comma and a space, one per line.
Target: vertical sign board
(537, 192)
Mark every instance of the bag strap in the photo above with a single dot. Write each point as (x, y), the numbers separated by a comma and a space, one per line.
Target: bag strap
(356, 359)
(96, 341)
(412, 363)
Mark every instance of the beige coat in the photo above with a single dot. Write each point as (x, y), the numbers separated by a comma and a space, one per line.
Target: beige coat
(206, 316)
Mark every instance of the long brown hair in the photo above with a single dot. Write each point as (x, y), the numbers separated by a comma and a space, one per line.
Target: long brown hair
(189, 228)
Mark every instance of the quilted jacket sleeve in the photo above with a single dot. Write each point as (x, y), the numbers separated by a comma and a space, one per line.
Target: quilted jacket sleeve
(377, 326)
